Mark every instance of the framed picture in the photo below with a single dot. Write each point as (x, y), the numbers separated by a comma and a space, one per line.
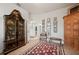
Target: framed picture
(35, 30)
(55, 23)
(48, 26)
(43, 25)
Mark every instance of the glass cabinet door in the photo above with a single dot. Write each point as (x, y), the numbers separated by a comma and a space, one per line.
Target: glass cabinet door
(10, 29)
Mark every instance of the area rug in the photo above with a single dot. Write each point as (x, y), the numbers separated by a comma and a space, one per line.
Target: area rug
(45, 48)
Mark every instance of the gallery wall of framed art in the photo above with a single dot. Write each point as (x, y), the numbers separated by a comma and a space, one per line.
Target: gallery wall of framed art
(49, 25)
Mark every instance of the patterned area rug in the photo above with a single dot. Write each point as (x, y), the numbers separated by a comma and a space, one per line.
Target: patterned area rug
(45, 48)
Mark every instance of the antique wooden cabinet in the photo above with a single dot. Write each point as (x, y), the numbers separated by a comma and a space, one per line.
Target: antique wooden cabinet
(71, 31)
(14, 31)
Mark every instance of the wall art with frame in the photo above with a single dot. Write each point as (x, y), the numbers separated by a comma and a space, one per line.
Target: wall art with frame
(55, 25)
(48, 26)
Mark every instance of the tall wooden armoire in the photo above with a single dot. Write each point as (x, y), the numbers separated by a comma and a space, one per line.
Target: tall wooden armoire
(71, 29)
(14, 31)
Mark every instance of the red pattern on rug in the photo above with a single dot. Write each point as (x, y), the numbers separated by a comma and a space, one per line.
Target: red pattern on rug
(45, 48)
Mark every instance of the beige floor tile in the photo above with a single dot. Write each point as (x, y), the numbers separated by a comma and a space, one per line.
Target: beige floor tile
(25, 48)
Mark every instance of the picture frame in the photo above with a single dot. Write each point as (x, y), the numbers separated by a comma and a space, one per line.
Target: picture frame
(43, 25)
(48, 26)
(55, 25)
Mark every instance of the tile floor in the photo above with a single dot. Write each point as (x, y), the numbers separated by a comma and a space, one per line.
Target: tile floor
(25, 48)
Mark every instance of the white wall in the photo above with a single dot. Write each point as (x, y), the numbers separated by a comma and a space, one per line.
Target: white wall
(60, 13)
(6, 9)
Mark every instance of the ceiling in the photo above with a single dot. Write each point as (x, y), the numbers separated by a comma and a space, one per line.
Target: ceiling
(36, 8)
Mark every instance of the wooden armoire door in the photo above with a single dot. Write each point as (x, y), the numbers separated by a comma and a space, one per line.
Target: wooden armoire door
(71, 31)
(76, 31)
(10, 42)
(21, 33)
(68, 32)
